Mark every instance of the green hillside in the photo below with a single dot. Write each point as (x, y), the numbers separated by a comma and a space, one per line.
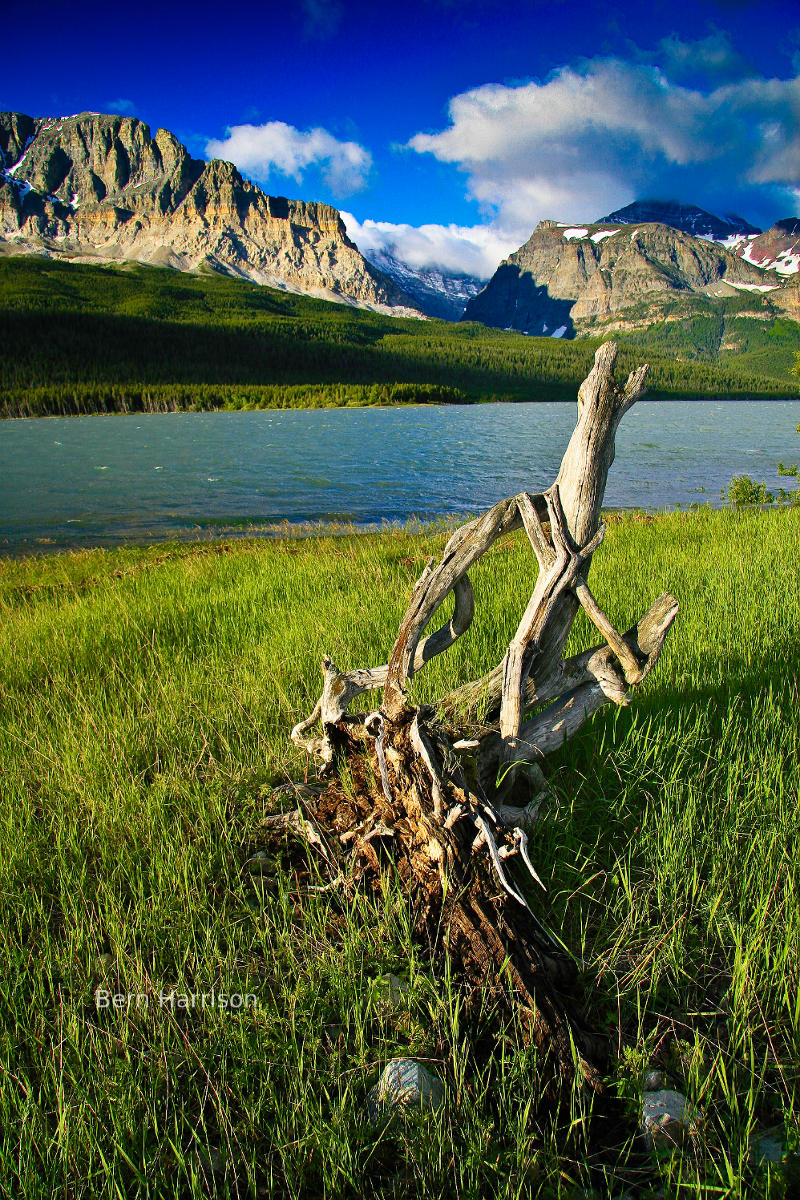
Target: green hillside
(743, 332)
(80, 339)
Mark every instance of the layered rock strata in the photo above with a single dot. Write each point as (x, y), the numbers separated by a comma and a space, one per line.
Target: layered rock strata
(565, 275)
(95, 187)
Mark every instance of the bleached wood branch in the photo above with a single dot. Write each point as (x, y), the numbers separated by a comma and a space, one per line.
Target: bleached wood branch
(563, 528)
(451, 832)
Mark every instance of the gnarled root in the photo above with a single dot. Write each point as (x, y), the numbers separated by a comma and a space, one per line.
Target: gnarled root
(462, 850)
(468, 876)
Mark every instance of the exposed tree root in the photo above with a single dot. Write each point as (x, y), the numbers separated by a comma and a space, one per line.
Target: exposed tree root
(399, 796)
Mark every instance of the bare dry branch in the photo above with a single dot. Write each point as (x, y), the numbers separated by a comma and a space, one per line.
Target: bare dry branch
(452, 842)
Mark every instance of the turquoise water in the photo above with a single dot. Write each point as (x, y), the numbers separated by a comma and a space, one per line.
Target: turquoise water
(102, 480)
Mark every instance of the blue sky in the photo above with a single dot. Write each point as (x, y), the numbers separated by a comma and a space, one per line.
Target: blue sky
(445, 130)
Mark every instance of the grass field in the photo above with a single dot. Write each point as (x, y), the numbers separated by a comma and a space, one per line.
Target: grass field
(146, 698)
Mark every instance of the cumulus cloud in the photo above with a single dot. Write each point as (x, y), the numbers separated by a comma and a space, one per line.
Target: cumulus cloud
(278, 148)
(713, 57)
(590, 139)
(464, 250)
(126, 108)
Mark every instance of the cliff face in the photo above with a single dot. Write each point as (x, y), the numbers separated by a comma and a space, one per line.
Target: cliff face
(568, 275)
(92, 187)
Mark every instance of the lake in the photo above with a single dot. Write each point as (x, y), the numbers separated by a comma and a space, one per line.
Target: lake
(103, 480)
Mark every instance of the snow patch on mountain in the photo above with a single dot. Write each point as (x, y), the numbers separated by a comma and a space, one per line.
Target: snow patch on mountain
(747, 255)
(786, 263)
(752, 287)
(776, 250)
(11, 172)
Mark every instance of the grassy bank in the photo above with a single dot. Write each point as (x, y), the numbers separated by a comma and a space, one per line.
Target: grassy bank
(145, 702)
(85, 339)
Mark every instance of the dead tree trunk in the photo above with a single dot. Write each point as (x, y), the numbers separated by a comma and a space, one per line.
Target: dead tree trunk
(423, 796)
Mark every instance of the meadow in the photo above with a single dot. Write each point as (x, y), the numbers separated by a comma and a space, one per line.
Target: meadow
(146, 698)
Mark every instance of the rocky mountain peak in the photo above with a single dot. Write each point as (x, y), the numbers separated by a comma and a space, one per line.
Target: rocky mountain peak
(688, 218)
(434, 290)
(570, 274)
(777, 249)
(101, 186)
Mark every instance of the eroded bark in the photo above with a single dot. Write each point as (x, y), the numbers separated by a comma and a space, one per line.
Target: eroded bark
(460, 849)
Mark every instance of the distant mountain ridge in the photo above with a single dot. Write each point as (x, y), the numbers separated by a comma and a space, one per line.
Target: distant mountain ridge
(434, 291)
(778, 249)
(688, 218)
(100, 187)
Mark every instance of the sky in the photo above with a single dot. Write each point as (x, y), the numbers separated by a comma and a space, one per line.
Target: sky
(445, 130)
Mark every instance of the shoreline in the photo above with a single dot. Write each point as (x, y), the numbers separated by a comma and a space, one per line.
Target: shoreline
(654, 398)
(216, 541)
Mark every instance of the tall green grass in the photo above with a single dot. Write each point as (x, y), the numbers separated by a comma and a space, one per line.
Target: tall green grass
(145, 702)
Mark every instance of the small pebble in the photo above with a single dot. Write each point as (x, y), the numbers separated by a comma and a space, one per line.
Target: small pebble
(667, 1119)
(393, 988)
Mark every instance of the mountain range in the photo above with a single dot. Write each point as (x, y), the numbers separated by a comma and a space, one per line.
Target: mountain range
(685, 217)
(95, 187)
(569, 279)
(434, 291)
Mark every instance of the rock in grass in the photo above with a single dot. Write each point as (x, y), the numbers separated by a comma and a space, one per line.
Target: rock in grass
(393, 989)
(404, 1084)
(767, 1149)
(667, 1119)
(654, 1081)
(260, 863)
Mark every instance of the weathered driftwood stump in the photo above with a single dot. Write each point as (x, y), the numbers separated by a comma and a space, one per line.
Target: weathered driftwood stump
(422, 795)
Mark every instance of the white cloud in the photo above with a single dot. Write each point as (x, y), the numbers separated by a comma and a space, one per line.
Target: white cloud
(714, 57)
(469, 250)
(123, 106)
(278, 148)
(591, 139)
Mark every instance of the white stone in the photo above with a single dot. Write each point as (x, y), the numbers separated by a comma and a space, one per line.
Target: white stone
(404, 1083)
(667, 1118)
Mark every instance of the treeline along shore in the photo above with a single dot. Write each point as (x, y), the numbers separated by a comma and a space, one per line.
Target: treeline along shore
(81, 339)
